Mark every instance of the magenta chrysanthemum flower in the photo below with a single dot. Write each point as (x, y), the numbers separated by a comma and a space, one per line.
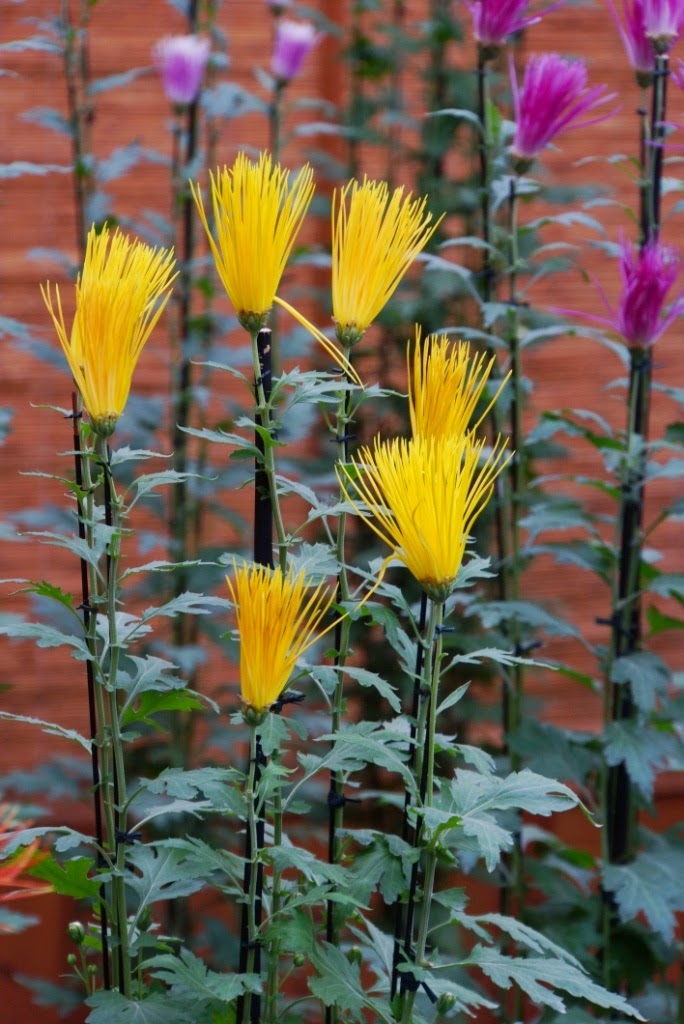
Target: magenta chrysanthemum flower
(495, 21)
(553, 98)
(663, 20)
(647, 276)
(181, 61)
(638, 46)
(293, 42)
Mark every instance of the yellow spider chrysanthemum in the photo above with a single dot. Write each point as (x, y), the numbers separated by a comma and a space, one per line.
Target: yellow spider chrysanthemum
(422, 498)
(376, 237)
(446, 382)
(278, 618)
(257, 216)
(120, 295)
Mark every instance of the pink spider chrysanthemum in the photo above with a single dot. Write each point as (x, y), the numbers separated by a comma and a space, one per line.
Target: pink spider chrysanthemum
(554, 97)
(638, 46)
(495, 21)
(663, 21)
(647, 276)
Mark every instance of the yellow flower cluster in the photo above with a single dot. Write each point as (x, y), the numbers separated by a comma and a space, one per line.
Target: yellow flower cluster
(423, 495)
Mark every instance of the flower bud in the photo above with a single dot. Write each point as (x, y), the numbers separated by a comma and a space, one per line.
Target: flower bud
(299, 959)
(76, 932)
(446, 1002)
(354, 955)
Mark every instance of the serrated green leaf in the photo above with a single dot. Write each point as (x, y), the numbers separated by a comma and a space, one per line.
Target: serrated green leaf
(163, 874)
(496, 613)
(68, 878)
(647, 675)
(643, 751)
(51, 728)
(646, 886)
(43, 635)
(113, 1008)
(339, 984)
(534, 974)
(189, 978)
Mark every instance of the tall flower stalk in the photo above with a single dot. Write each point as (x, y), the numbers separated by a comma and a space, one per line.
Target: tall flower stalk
(376, 237)
(120, 295)
(422, 497)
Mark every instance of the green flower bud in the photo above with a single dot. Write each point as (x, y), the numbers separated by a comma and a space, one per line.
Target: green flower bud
(76, 932)
(72, 959)
(354, 955)
(299, 959)
(446, 1002)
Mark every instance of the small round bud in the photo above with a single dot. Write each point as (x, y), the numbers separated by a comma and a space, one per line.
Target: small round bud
(76, 932)
(299, 959)
(72, 959)
(446, 1002)
(92, 968)
(354, 955)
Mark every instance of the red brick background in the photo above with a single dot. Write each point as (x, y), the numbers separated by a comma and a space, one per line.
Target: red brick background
(38, 211)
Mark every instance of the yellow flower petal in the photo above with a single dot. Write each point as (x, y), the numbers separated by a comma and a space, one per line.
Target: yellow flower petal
(446, 382)
(422, 499)
(120, 295)
(278, 618)
(257, 216)
(376, 237)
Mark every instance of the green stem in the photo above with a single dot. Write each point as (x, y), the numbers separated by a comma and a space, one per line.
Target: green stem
(425, 784)
(342, 635)
(263, 413)
(273, 979)
(118, 812)
(250, 796)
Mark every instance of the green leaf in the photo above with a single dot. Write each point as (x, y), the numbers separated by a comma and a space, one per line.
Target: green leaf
(534, 974)
(164, 874)
(496, 613)
(51, 728)
(642, 749)
(189, 978)
(647, 675)
(648, 886)
(339, 984)
(43, 635)
(371, 679)
(468, 804)
(69, 878)
(113, 1008)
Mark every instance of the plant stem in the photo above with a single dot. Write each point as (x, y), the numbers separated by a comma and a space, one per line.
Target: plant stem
(89, 622)
(113, 518)
(80, 108)
(342, 634)
(261, 350)
(251, 1003)
(408, 833)
(425, 780)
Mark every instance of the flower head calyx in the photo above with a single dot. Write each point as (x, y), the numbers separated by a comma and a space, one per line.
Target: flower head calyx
(257, 215)
(120, 295)
(376, 238)
(279, 616)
